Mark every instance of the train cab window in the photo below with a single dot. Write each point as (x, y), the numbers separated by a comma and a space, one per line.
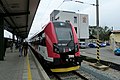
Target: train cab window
(66, 32)
(65, 29)
(75, 19)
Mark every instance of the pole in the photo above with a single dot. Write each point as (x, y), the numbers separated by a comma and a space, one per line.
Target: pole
(97, 25)
(79, 25)
(2, 52)
(97, 18)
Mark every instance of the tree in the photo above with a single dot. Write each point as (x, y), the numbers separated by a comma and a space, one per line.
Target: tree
(103, 32)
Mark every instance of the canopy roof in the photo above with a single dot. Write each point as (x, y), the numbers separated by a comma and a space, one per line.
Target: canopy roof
(18, 15)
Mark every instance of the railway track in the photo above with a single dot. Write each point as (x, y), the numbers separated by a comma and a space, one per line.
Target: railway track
(82, 74)
(73, 75)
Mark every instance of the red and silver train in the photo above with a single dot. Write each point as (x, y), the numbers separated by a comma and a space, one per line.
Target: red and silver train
(58, 45)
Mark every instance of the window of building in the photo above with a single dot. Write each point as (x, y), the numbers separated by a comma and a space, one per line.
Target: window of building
(52, 18)
(67, 21)
(84, 19)
(76, 29)
(75, 19)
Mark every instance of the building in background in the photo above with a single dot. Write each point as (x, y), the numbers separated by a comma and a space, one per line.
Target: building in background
(79, 21)
(115, 39)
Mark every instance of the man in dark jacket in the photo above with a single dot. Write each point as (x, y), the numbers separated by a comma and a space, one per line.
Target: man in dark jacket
(25, 48)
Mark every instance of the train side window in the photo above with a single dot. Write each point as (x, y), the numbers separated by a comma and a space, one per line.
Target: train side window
(39, 48)
(40, 40)
(43, 39)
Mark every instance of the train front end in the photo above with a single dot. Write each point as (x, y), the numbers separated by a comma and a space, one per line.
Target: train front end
(67, 47)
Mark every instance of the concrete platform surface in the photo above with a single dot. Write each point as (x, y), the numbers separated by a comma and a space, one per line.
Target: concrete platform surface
(20, 68)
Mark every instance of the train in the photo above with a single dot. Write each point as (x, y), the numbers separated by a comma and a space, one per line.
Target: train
(58, 46)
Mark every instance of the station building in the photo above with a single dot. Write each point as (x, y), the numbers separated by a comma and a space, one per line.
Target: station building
(115, 39)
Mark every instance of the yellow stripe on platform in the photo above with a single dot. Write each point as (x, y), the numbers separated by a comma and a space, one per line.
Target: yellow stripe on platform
(29, 70)
(65, 69)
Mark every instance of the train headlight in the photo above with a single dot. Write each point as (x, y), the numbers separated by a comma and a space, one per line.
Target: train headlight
(55, 48)
(77, 62)
(67, 60)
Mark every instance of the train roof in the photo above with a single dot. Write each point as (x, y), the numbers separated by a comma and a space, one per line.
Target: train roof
(42, 30)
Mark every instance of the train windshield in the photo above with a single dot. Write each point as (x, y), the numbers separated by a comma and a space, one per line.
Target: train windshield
(63, 31)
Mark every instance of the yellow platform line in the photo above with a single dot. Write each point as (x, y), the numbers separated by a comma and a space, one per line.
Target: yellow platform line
(28, 68)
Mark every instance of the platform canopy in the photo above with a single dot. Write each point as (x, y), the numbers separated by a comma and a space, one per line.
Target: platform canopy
(18, 15)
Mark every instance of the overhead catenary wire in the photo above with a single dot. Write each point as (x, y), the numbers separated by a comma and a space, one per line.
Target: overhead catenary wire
(61, 5)
(56, 8)
(66, 1)
(85, 3)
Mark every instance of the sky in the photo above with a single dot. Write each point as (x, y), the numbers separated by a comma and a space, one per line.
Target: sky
(109, 13)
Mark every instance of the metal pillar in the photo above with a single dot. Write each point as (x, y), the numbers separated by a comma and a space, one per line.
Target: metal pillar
(2, 52)
(97, 18)
(13, 36)
(13, 42)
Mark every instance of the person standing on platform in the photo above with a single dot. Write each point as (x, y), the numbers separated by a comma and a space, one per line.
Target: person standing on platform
(25, 47)
(5, 45)
(11, 46)
(20, 50)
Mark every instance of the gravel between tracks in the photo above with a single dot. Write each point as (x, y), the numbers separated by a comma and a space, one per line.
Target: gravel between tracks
(109, 74)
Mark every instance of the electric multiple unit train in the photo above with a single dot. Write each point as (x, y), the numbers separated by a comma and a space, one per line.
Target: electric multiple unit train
(58, 45)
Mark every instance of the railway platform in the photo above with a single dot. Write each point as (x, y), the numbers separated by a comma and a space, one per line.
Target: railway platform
(21, 68)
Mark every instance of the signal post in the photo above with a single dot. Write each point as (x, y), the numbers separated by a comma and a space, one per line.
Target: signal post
(98, 65)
